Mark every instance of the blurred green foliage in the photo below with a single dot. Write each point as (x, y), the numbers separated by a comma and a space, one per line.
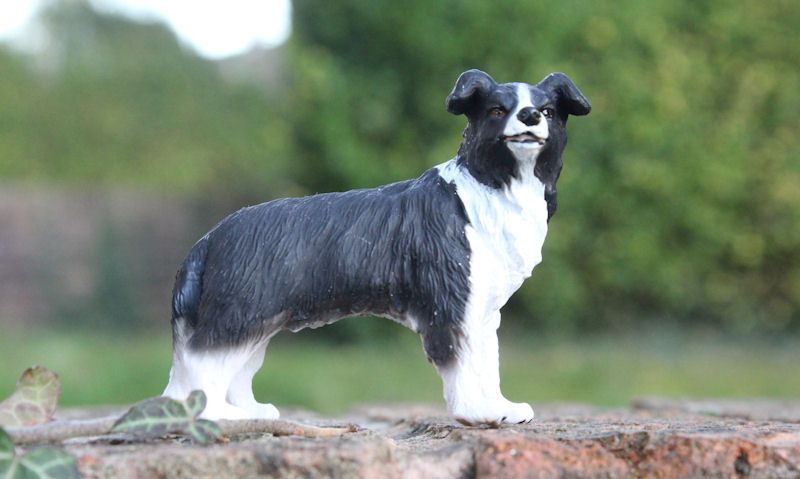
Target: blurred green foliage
(679, 197)
(111, 101)
(680, 192)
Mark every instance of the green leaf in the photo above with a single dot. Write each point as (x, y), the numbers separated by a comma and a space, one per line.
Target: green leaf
(38, 463)
(160, 416)
(6, 455)
(47, 463)
(203, 431)
(195, 403)
(34, 400)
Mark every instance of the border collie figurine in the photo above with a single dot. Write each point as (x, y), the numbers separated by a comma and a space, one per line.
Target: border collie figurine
(440, 254)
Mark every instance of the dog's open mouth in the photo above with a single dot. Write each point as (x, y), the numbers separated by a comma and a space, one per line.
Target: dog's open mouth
(526, 137)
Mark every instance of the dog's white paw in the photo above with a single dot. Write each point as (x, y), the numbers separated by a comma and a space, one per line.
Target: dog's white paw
(499, 412)
(249, 411)
(264, 411)
(224, 410)
(517, 413)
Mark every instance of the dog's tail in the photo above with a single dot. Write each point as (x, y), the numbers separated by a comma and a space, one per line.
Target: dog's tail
(189, 286)
(185, 304)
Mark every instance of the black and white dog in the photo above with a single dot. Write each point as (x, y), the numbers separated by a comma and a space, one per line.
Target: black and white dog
(440, 254)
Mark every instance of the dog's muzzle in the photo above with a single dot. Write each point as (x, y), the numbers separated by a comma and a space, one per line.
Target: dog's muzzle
(526, 137)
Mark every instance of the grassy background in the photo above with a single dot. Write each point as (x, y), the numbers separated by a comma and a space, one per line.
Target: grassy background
(329, 378)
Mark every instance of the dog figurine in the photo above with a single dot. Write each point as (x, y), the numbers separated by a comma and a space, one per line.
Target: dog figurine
(440, 254)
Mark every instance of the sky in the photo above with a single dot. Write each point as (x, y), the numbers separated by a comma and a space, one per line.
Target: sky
(214, 28)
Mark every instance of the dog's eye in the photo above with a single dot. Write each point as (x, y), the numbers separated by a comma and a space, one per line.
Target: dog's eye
(549, 112)
(497, 112)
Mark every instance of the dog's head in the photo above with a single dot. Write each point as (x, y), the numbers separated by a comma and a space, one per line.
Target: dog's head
(513, 126)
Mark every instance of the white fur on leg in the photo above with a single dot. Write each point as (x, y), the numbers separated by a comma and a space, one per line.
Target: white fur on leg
(212, 372)
(225, 376)
(472, 382)
(506, 231)
(240, 392)
(178, 386)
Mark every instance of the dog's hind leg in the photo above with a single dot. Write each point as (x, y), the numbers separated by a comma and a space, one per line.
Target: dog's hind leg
(213, 372)
(240, 392)
(178, 386)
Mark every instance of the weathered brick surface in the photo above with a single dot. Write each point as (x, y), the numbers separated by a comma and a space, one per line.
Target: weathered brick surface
(650, 440)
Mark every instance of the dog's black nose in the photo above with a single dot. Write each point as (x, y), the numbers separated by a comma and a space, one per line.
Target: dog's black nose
(530, 116)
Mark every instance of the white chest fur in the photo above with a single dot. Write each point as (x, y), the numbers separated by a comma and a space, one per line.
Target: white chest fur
(506, 232)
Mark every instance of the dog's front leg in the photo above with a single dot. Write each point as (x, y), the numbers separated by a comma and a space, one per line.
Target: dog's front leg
(472, 379)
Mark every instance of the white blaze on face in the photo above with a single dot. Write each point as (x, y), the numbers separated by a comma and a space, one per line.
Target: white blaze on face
(524, 151)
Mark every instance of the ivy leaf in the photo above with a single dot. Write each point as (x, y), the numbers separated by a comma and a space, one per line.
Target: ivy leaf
(34, 400)
(47, 463)
(6, 454)
(160, 416)
(38, 463)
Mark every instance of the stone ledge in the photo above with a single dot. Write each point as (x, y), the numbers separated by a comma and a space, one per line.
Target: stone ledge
(654, 438)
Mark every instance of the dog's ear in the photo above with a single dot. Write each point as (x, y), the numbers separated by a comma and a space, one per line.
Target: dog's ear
(570, 99)
(469, 86)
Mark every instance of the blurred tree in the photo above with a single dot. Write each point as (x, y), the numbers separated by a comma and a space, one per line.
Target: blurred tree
(680, 191)
(122, 101)
(679, 199)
